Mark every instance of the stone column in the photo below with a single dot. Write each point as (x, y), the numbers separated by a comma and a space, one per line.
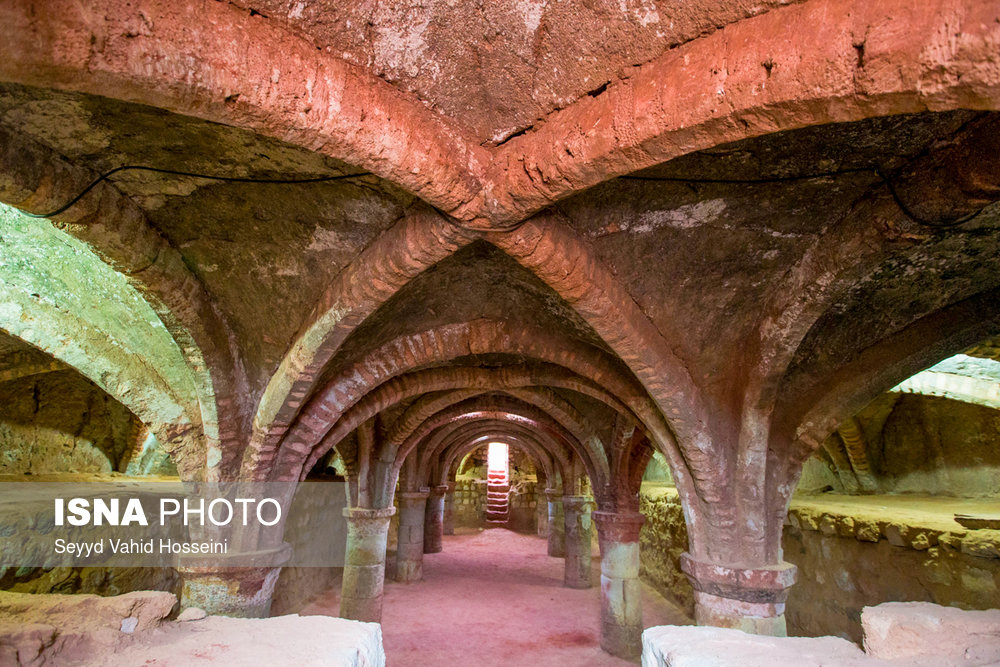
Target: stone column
(621, 600)
(240, 584)
(434, 520)
(557, 531)
(410, 544)
(748, 599)
(449, 510)
(364, 568)
(541, 513)
(579, 536)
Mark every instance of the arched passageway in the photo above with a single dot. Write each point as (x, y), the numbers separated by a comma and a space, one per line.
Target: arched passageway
(295, 254)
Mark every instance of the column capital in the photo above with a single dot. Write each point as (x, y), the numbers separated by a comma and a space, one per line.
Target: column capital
(619, 526)
(761, 585)
(439, 490)
(413, 495)
(553, 494)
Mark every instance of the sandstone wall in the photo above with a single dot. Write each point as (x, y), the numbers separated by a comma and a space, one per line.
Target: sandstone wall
(61, 422)
(297, 586)
(936, 445)
(921, 444)
(847, 560)
(662, 541)
(851, 560)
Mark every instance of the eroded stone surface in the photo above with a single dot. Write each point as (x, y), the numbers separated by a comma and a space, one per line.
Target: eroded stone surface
(915, 630)
(680, 646)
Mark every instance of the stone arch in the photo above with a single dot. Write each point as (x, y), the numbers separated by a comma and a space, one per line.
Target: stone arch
(300, 94)
(561, 411)
(502, 412)
(447, 446)
(539, 456)
(816, 76)
(453, 378)
(443, 344)
(409, 247)
(55, 306)
(34, 179)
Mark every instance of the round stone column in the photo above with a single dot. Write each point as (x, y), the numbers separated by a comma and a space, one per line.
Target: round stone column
(410, 542)
(239, 585)
(557, 531)
(449, 510)
(434, 520)
(621, 592)
(579, 536)
(541, 513)
(364, 568)
(748, 599)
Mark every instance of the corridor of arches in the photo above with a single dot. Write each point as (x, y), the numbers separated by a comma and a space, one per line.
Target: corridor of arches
(706, 283)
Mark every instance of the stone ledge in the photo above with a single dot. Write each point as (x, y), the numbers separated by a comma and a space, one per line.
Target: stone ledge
(916, 535)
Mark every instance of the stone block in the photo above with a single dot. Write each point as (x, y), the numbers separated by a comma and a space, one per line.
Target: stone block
(690, 646)
(912, 630)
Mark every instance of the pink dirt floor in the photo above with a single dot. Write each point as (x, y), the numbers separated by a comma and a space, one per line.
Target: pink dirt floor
(495, 598)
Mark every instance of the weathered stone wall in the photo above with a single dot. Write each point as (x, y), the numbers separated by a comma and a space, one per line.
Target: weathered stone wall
(847, 559)
(98, 580)
(921, 444)
(523, 502)
(936, 445)
(61, 422)
(662, 541)
(297, 586)
(470, 502)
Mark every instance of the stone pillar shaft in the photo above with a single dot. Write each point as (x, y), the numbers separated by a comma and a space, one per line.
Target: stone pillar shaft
(748, 599)
(579, 537)
(621, 591)
(410, 541)
(434, 520)
(557, 531)
(449, 510)
(541, 513)
(364, 569)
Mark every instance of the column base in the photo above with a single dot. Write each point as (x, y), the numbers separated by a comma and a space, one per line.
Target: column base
(748, 599)
(241, 591)
(756, 618)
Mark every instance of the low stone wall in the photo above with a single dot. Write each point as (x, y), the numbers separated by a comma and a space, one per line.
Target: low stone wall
(847, 559)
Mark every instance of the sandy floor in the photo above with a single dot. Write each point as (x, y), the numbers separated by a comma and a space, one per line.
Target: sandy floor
(495, 598)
